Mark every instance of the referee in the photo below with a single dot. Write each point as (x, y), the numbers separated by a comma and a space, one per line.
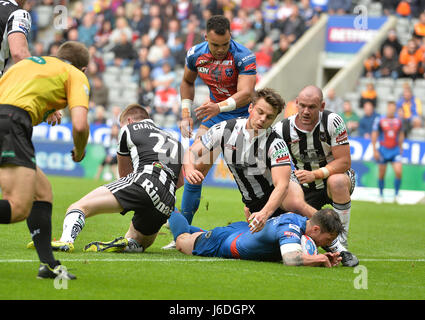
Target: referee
(30, 91)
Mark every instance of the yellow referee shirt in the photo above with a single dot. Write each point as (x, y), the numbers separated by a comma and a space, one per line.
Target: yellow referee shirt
(42, 85)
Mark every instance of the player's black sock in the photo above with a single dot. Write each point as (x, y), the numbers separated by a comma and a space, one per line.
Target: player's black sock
(5, 212)
(40, 225)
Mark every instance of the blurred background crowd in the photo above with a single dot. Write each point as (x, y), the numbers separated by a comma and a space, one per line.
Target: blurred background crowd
(138, 50)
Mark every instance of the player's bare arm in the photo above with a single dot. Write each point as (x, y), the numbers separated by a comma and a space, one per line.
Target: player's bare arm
(298, 258)
(80, 132)
(125, 165)
(280, 176)
(187, 94)
(18, 46)
(191, 162)
(245, 88)
(180, 182)
(340, 164)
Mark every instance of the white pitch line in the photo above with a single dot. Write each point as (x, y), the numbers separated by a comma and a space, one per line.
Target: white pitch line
(123, 260)
(187, 260)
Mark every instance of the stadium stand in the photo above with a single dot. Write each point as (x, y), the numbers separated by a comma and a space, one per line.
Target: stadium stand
(294, 28)
(159, 26)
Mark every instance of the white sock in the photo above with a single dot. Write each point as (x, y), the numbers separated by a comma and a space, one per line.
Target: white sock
(344, 211)
(72, 225)
(336, 246)
(133, 246)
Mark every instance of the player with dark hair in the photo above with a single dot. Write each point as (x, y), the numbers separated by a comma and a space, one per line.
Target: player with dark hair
(389, 130)
(319, 148)
(229, 71)
(29, 91)
(149, 164)
(257, 158)
(279, 240)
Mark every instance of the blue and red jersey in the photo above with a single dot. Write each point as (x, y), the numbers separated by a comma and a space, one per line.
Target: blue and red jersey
(221, 76)
(236, 240)
(389, 131)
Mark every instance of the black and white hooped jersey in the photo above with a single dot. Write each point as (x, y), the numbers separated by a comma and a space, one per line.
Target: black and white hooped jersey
(249, 159)
(311, 150)
(12, 19)
(152, 150)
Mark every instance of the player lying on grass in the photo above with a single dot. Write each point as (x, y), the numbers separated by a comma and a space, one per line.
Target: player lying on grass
(279, 240)
(149, 164)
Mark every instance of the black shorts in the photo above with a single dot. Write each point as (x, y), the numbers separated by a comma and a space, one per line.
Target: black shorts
(318, 198)
(16, 146)
(151, 200)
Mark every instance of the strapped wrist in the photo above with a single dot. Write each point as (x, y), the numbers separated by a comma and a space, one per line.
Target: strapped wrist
(186, 106)
(227, 105)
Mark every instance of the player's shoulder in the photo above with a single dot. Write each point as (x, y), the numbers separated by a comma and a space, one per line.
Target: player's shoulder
(282, 127)
(237, 48)
(19, 20)
(241, 54)
(293, 221)
(333, 120)
(21, 14)
(198, 49)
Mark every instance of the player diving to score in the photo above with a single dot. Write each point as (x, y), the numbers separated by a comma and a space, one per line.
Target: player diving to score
(279, 240)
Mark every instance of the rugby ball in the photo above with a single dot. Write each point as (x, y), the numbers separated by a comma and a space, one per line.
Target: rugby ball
(308, 246)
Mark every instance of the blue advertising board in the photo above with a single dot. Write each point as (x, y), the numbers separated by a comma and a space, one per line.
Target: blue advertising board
(53, 146)
(347, 34)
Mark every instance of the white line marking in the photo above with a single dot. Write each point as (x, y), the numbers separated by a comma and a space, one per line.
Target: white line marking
(123, 260)
(186, 260)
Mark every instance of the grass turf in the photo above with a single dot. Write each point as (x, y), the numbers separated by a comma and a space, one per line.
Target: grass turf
(387, 238)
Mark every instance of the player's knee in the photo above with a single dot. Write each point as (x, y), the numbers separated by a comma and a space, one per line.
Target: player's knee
(20, 211)
(78, 206)
(338, 183)
(46, 195)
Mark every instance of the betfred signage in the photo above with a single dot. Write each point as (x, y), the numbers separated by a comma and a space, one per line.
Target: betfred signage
(347, 34)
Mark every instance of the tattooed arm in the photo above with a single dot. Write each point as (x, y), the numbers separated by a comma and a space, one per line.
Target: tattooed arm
(293, 256)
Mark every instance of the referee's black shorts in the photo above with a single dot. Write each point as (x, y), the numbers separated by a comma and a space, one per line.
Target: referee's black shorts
(16, 146)
(151, 200)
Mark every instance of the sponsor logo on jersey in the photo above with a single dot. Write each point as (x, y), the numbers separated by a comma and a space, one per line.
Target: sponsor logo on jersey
(294, 227)
(39, 60)
(343, 136)
(156, 200)
(203, 70)
(251, 66)
(290, 234)
(282, 159)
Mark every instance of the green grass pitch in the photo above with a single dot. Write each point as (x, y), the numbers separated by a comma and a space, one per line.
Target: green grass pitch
(388, 239)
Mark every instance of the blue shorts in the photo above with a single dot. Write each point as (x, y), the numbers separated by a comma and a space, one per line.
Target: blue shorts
(237, 113)
(208, 243)
(389, 155)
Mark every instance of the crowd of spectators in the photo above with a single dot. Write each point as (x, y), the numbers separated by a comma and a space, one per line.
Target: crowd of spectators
(145, 42)
(148, 40)
(395, 72)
